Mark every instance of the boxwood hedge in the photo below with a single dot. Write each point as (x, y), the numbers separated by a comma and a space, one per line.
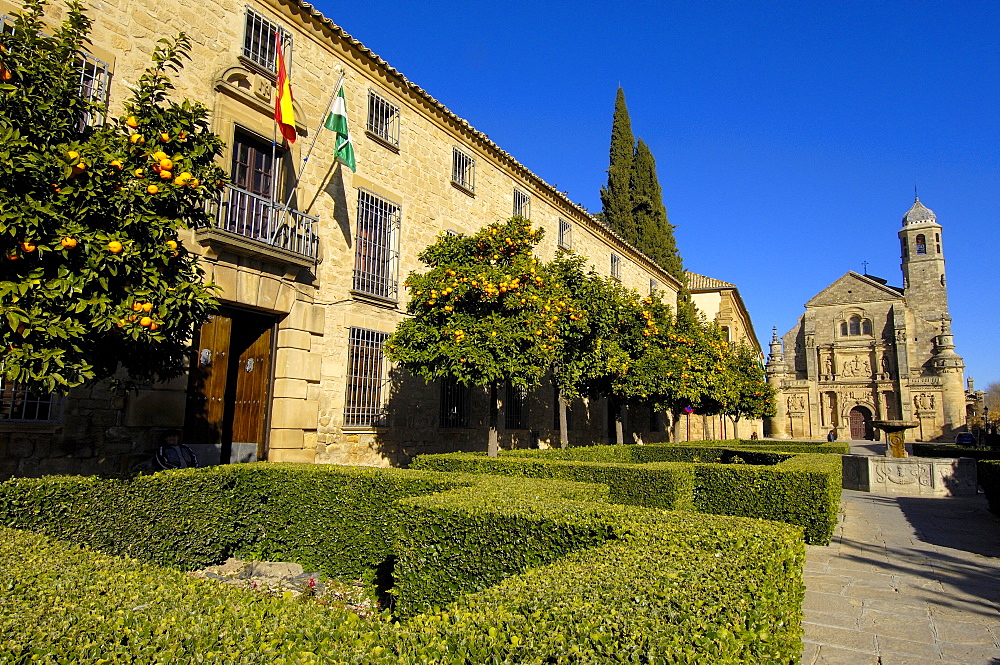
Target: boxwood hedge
(488, 569)
(797, 488)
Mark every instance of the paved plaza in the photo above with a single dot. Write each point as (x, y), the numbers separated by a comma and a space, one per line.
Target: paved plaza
(905, 581)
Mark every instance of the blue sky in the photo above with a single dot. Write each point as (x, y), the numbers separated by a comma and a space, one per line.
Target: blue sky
(788, 135)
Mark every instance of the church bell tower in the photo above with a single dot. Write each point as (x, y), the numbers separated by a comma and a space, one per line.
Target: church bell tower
(923, 263)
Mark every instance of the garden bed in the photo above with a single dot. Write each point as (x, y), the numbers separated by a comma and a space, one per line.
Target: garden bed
(797, 488)
(482, 569)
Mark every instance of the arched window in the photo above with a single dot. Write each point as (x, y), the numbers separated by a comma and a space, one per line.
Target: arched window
(855, 325)
(866, 327)
(937, 241)
(843, 329)
(921, 244)
(906, 249)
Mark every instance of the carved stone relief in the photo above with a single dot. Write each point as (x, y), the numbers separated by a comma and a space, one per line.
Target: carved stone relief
(856, 367)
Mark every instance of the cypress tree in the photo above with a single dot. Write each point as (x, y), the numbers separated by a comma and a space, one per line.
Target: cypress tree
(655, 233)
(616, 197)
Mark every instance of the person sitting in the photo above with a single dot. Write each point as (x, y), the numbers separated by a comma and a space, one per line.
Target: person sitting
(753, 436)
(832, 436)
(173, 454)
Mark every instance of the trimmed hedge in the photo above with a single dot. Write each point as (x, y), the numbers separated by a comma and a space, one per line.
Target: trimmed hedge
(940, 450)
(562, 575)
(197, 517)
(801, 489)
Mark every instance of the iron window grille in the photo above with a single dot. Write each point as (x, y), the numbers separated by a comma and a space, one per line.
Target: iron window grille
(515, 408)
(19, 405)
(376, 258)
(94, 81)
(366, 379)
(454, 404)
(259, 43)
(565, 234)
(522, 204)
(921, 244)
(463, 170)
(616, 266)
(383, 118)
(654, 286)
(655, 419)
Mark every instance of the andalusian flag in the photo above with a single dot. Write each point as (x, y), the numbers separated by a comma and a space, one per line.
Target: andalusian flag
(284, 114)
(337, 122)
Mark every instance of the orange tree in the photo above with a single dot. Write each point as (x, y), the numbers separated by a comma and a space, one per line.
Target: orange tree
(93, 276)
(601, 340)
(486, 311)
(744, 391)
(681, 363)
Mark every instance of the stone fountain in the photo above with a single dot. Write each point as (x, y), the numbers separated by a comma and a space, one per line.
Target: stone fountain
(898, 473)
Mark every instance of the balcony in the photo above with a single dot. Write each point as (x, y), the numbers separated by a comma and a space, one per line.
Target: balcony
(250, 224)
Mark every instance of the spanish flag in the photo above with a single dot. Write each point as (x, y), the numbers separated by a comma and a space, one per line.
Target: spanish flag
(284, 115)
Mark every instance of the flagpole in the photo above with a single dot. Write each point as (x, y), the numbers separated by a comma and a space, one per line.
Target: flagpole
(305, 160)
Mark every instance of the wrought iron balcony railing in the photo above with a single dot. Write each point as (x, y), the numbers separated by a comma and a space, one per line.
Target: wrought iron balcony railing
(263, 220)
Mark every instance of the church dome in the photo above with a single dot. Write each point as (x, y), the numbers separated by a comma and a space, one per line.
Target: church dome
(917, 213)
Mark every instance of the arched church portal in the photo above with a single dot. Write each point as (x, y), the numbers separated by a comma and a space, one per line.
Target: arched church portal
(861, 423)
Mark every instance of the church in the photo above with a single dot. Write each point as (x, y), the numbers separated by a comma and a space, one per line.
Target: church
(866, 351)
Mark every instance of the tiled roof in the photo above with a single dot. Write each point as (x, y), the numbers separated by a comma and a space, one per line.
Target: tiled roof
(917, 213)
(698, 282)
(342, 34)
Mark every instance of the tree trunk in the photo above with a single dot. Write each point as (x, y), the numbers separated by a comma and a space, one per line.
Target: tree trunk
(676, 415)
(736, 428)
(492, 446)
(563, 422)
(619, 423)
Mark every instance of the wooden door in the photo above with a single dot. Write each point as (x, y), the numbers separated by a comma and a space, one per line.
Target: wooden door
(253, 379)
(206, 404)
(860, 423)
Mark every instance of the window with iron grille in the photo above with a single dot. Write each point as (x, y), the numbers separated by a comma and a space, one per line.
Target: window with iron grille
(18, 405)
(454, 404)
(376, 258)
(366, 379)
(654, 286)
(655, 420)
(565, 234)
(522, 204)
(515, 408)
(383, 118)
(259, 42)
(463, 170)
(95, 79)
(616, 266)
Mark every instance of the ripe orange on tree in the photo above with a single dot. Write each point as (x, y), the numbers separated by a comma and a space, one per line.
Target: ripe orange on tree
(68, 242)
(114, 247)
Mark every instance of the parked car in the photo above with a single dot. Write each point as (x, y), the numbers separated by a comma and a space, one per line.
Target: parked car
(965, 439)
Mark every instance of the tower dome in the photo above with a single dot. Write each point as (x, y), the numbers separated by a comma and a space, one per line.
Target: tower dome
(918, 213)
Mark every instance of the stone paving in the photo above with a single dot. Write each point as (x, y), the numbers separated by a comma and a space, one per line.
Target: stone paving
(905, 581)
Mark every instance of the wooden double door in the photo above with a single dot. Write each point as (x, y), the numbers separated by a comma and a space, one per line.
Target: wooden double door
(229, 387)
(861, 424)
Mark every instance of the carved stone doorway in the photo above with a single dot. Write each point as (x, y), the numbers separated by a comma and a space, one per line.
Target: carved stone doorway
(861, 424)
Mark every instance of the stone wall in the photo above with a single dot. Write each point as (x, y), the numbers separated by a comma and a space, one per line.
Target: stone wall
(315, 307)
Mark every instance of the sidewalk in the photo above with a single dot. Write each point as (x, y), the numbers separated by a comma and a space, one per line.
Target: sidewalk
(905, 581)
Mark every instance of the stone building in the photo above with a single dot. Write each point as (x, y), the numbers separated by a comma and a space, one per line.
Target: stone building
(721, 302)
(291, 368)
(864, 351)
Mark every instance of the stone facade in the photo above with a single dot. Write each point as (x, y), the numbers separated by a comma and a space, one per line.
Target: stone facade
(720, 301)
(866, 351)
(289, 311)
